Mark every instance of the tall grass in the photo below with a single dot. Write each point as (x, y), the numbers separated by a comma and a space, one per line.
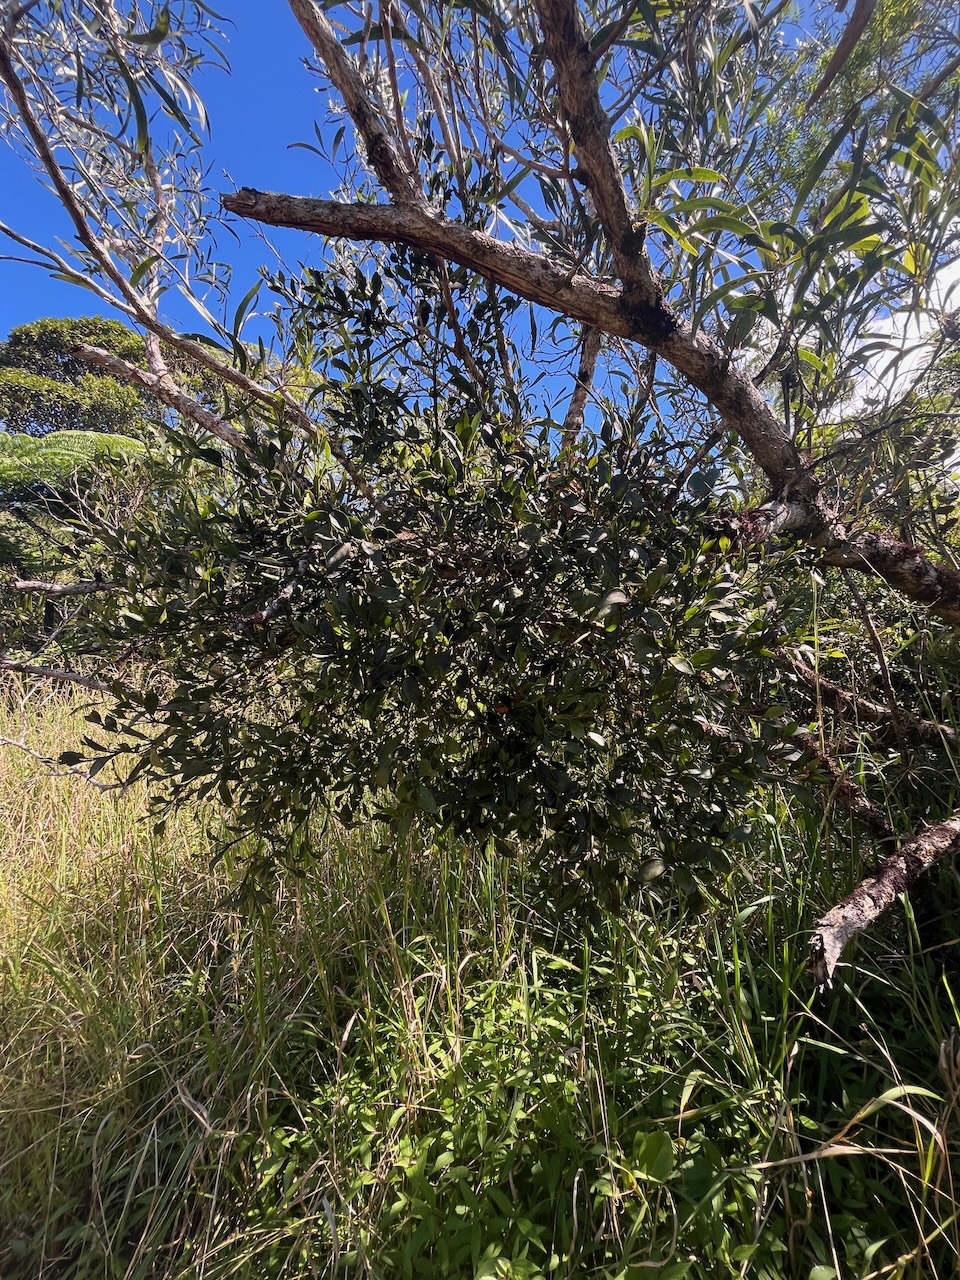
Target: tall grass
(396, 1068)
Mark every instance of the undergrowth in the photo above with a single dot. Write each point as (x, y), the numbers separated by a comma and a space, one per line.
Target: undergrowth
(396, 1067)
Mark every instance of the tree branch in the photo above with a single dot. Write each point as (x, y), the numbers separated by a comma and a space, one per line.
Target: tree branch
(52, 673)
(927, 732)
(539, 279)
(860, 909)
(528, 274)
(58, 589)
(856, 26)
(59, 773)
(17, 15)
(589, 352)
(576, 68)
(550, 284)
(382, 150)
(902, 565)
(165, 390)
(852, 796)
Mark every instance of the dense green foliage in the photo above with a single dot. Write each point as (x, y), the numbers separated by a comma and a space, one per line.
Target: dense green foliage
(402, 583)
(556, 646)
(498, 651)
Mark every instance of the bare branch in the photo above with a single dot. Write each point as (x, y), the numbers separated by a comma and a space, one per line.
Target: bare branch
(589, 352)
(52, 673)
(575, 65)
(165, 389)
(911, 727)
(850, 794)
(528, 274)
(382, 150)
(862, 908)
(527, 162)
(58, 589)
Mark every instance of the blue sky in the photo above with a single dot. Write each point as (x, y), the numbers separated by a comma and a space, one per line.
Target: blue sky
(269, 101)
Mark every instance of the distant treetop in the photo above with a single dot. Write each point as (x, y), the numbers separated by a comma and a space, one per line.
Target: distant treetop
(45, 388)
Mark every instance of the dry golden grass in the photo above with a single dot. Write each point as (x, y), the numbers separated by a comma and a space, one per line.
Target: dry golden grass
(64, 839)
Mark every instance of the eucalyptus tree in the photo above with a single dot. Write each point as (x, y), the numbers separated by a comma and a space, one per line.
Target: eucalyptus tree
(459, 605)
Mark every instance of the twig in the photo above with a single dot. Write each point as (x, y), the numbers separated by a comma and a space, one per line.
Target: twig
(611, 38)
(52, 673)
(60, 773)
(868, 623)
(709, 441)
(18, 14)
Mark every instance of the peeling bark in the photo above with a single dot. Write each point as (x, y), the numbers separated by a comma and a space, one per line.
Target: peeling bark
(906, 567)
(876, 893)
